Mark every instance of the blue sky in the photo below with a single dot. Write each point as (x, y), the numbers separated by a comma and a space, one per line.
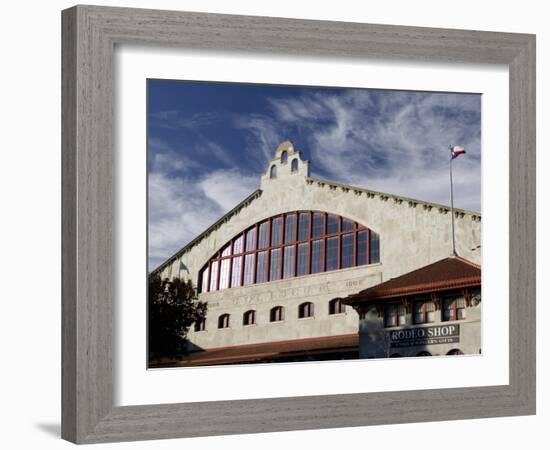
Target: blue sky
(208, 143)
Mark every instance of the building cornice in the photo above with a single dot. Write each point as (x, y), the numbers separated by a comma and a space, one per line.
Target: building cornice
(411, 202)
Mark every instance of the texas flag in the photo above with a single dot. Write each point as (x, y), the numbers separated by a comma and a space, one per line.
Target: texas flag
(456, 151)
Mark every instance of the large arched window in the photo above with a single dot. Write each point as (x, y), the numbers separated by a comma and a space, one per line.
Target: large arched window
(290, 245)
(284, 157)
(294, 165)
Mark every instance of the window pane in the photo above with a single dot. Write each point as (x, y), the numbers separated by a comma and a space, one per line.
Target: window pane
(276, 231)
(261, 267)
(214, 276)
(361, 248)
(341, 307)
(449, 310)
(374, 247)
(248, 270)
(224, 273)
(318, 225)
(317, 255)
(305, 310)
(390, 316)
(262, 235)
(332, 253)
(277, 314)
(249, 318)
(204, 285)
(227, 250)
(236, 271)
(347, 251)
(302, 265)
(418, 313)
(347, 225)
(223, 321)
(290, 228)
(288, 269)
(275, 264)
(238, 245)
(332, 224)
(303, 227)
(251, 239)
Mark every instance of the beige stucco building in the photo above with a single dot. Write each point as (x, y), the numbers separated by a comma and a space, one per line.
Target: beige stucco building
(274, 267)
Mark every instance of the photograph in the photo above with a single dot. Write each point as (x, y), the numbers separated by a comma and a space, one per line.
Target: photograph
(311, 223)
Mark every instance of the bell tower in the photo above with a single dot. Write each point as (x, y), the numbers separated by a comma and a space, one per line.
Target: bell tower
(287, 166)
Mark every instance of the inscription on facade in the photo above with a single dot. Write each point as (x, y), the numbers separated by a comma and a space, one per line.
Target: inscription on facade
(412, 337)
(231, 297)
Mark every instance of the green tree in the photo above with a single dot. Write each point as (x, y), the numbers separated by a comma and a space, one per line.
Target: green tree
(173, 308)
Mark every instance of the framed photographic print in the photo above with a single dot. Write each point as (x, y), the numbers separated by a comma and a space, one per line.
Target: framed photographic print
(247, 200)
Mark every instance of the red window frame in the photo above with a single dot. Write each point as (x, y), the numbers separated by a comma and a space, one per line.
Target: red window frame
(227, 251)
(454, 308)
(424, 312)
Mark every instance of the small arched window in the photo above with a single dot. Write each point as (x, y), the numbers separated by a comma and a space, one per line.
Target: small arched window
(277, 314)
(294, 165)
(200, 325)
(273, 172)
(424, 354)
(284, 157)
(223, 321)
(305, 310)
(249, 317)
(336, 307)
(455, 351)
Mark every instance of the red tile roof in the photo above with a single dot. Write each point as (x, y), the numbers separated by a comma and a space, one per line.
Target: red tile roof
(266, 350)
(447, 274)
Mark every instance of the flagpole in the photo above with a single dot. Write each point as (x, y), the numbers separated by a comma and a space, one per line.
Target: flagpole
(452, 201)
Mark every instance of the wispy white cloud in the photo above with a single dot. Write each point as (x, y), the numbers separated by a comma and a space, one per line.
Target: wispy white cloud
(182, 207)
(394, 143)
(263, 135)
(163, 157)
(227, 188)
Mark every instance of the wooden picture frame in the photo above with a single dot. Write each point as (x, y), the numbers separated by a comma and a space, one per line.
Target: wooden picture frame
(90, 34)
